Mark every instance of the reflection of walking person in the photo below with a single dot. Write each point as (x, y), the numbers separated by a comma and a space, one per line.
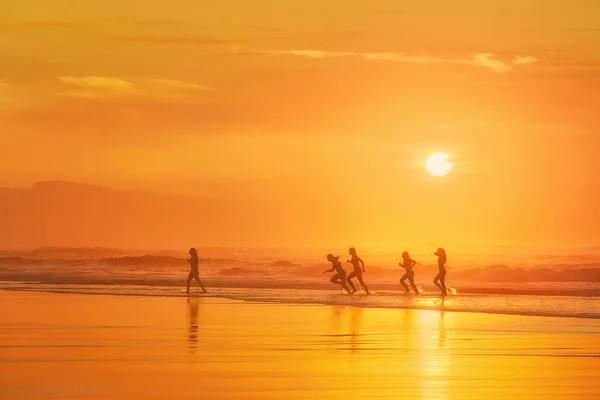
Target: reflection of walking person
(357, 262)
(408, 264)
(193, 308)
(340, 276)
(440, 279)
(194, 274)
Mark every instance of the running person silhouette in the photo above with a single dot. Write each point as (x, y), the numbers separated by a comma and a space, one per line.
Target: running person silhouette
(357, 262)
(194, 274)
(340, 276)
(440, 279)
(408, 265)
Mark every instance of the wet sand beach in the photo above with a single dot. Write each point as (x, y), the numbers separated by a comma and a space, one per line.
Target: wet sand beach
(73, 346)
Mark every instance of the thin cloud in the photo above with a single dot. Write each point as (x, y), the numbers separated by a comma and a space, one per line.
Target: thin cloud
(185, 39)
(106, 87)
(182, 84)
(102, 30)
(526, 60)
(490, 61)
(100, 82)
(311, 53)
(401, 57)
(486, 60)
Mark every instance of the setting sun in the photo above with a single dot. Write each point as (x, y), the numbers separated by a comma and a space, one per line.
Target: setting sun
(438, 164)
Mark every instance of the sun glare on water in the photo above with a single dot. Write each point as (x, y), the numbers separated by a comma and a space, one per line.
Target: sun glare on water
(438, 164)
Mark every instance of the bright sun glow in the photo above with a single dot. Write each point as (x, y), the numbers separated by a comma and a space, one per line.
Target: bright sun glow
(438, 164)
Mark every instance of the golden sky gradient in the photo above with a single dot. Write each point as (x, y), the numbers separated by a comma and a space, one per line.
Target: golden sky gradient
(327, 109)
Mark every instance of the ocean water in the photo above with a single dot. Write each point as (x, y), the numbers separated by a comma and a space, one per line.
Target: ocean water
(561, 284)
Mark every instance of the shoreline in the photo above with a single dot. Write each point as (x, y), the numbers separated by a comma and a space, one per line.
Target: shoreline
(348, 301)
(468, 289)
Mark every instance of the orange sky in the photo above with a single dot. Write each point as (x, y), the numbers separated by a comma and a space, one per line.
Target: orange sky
(324, 108)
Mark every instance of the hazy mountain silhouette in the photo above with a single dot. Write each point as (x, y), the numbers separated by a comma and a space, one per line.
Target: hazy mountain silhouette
(73, 214)
(70, 214)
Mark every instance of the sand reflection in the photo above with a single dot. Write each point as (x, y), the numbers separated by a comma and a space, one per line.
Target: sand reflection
(436, 358)
(345, 333)
(192, 305)
(356, 322)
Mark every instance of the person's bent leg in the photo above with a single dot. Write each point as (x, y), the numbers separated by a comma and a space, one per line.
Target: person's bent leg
(336, 279)
(411, 279)
(403, 282)
(436, 282)
(200, 283)
(362, 283)
(346, 288)
(189, 282)
(350, 283)
(443, 284)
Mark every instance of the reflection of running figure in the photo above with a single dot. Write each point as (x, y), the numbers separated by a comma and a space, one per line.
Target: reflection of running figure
(408, 265)
(440, 279)
(340, 276)
(194, 274)
(357, 262)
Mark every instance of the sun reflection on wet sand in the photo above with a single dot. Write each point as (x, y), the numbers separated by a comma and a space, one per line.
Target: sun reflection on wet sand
(134, 348)
(437, 363)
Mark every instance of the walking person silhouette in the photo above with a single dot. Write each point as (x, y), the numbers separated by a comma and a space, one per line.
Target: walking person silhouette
(194, 274)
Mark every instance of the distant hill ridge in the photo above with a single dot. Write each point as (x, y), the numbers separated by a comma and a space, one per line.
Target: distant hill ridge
(69, 214)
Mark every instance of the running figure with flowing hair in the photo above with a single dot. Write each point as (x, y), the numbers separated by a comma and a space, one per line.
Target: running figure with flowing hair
(357, 262)
(408, 264)
(340, 275)
(440, 279)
